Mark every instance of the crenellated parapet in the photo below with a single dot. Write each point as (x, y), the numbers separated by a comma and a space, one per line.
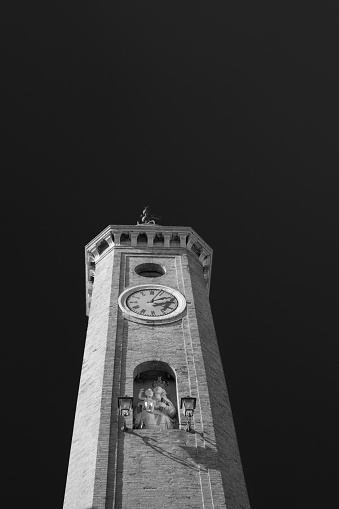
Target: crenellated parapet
(147, 237)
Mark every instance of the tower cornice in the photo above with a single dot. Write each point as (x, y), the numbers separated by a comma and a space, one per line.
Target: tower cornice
(148, 237)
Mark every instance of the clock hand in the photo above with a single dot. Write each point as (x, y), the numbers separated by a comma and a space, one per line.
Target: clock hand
(160, 291)
(160, 298)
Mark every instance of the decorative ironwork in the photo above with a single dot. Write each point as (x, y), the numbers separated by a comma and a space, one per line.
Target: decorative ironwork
(147, 217)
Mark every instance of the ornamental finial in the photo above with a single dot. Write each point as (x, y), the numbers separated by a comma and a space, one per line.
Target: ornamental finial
(147, 217)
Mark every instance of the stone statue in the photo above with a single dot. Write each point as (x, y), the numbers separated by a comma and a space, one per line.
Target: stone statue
(147, 217)
(157, 411)
(149, 402)
(163, 402)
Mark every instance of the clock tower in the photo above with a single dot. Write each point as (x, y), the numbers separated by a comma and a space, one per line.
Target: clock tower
(153, 425)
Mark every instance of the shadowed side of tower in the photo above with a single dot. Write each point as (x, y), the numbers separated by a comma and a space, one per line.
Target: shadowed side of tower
(208, 356)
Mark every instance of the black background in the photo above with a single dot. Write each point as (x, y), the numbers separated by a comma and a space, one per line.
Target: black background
(220, 116)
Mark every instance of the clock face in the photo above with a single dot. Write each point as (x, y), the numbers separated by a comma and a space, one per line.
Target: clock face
(152, 302)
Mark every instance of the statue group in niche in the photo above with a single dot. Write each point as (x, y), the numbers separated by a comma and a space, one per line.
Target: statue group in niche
(154, 410)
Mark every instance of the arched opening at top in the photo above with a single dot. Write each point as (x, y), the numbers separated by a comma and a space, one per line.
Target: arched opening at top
(125, 239)
(155, 396)
(158, 239)
(197, 248)
(142, 238)
(175, 240)
(102, 246)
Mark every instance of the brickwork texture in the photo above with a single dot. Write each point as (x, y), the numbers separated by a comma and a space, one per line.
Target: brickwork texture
(110, 468)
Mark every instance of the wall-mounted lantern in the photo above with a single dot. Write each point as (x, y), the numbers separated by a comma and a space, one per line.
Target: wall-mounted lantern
(188, 406)
(125, 406)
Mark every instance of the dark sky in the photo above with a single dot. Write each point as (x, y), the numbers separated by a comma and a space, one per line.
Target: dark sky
(222, 116)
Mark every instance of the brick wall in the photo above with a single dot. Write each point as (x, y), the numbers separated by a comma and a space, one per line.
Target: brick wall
(207, 351)
(145, 468)
(89, 449)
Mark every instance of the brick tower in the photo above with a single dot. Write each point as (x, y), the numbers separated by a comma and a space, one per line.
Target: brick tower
(151, 338)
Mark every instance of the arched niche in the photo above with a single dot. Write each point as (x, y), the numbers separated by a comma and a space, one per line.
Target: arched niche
(150, 375)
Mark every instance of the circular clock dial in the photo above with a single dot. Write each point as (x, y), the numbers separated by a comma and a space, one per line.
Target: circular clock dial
(152, 302)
